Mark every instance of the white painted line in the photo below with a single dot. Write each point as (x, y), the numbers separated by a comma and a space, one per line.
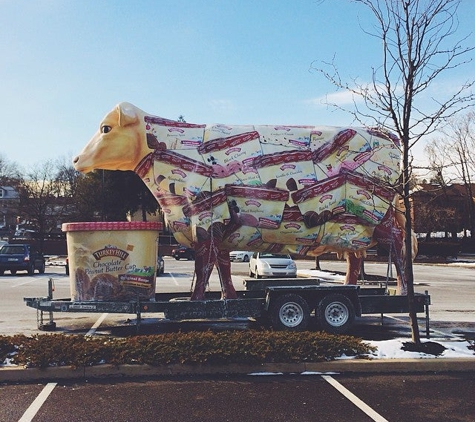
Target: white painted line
(22, 283)
(93, 329)
(355, 400)
(440, 333)
(31, 412)
(174, 279)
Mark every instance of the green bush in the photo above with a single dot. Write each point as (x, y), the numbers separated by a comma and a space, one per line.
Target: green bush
(184, 348)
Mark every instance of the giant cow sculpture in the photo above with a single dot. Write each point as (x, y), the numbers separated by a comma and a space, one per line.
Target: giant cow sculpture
(303, 190)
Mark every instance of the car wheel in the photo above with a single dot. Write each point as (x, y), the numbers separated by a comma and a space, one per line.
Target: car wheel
(256, 274)
(335, 314)
(177, 258)
(290, 312)
(245, 259)
(42, 269)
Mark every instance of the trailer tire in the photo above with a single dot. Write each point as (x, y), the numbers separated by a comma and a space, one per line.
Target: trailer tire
(335, 314)
(290, 312)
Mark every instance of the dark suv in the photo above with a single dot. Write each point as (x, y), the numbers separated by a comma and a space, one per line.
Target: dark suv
(183, 252)
(17, 257)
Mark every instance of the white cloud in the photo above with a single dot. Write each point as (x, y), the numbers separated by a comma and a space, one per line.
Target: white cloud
(340, 98)
(221, 104)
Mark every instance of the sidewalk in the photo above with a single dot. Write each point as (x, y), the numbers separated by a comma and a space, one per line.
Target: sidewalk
(12, 374)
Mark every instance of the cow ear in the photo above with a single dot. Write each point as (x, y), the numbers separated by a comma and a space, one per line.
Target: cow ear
(127, 114)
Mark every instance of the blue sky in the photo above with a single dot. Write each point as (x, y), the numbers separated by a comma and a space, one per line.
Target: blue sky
(65, 63)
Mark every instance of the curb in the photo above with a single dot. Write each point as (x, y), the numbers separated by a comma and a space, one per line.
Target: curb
(14, 374)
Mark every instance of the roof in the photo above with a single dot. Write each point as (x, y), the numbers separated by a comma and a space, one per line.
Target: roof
(9, 192)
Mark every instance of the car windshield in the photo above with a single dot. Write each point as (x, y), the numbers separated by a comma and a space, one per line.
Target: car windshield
(273, 255)
(12, 250)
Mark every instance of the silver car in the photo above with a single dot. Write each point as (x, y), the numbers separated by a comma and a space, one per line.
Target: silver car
(240, 256)
(264, 264)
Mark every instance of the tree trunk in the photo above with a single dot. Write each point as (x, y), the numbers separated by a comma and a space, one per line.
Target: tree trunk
(408, 267)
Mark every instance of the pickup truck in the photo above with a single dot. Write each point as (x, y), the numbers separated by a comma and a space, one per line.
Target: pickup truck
(21, 257)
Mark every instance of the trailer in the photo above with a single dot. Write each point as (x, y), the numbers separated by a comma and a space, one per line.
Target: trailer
(285, 304)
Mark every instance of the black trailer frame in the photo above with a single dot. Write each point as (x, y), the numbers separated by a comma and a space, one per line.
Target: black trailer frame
(285, 303)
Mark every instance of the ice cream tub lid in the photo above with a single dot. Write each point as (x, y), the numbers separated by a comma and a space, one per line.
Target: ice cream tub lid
(111, 225)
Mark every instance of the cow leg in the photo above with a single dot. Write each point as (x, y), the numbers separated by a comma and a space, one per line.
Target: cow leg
(353, 268)
(390, 235)
(205, 258)
(224, 270)
(223, 262)
(207, 255)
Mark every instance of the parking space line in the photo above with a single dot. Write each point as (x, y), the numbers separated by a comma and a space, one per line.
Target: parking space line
(22, 283)
(31, 412)
(433, 330)
(174, 279)
(93, 329)
(355, 400)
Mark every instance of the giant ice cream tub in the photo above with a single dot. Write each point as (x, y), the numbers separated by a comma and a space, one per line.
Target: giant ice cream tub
(112, 261)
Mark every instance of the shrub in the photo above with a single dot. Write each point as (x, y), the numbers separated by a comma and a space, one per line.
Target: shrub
(184, 348)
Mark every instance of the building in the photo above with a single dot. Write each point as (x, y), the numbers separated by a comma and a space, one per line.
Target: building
(442, 209)
(9, 201)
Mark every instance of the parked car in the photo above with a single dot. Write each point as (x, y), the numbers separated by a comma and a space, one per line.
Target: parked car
(21, 257)
(240, 256)
(264, 264)
(183, 252)
(160, 265)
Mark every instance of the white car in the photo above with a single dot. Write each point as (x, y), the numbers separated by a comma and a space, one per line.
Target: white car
(264, 264)
(240, 256)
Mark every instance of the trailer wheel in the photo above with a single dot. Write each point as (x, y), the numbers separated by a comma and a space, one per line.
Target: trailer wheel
(335, 314)
(290, 312)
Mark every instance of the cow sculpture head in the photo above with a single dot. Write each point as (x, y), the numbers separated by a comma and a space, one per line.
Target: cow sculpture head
(119, 144)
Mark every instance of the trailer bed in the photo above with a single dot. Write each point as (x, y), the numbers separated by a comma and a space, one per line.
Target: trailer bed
(255, 302)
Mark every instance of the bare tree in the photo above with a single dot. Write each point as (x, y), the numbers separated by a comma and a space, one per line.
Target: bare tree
(417, 40)
(451, 158)
(9, 172)
(438, 152)
(46, 196)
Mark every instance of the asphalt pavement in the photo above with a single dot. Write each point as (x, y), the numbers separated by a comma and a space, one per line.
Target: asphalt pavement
(432, 364)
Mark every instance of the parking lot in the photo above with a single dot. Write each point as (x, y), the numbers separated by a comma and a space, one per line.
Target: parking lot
(392, 397)
(451, 288)
(312, 397)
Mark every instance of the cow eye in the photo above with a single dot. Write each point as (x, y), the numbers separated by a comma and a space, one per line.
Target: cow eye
(106, 129)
